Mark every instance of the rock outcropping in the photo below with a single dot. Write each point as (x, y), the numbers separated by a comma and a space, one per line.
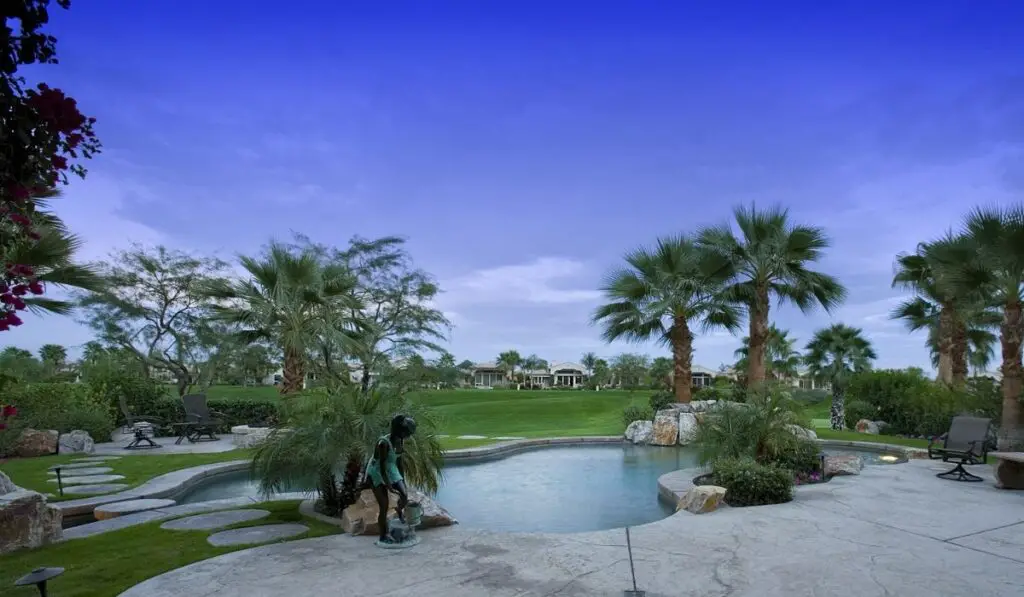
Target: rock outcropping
(27, 521)
(666, 428)
(843, 465)
(639, 432)
(76, 442)
(6, 485)
(243, 436)
(361, 517)
(33, 442)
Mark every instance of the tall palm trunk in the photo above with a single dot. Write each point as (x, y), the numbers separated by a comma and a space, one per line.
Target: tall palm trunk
(682, 359)
(838, 410)
(958, 352)
(294, 373)
(1010, 337)
(758, 338)
(946, 324)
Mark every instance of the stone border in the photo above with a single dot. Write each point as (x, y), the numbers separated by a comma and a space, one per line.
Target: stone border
(502, 449)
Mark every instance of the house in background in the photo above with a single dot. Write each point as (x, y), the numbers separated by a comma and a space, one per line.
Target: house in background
(565, 375)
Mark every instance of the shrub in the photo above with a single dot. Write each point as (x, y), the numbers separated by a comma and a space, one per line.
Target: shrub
(635, 413)
(247, 411)
(661, 400)
(803, 456)
(748, 483)
(61, 406)
(717, 393)
(859, 409)
(757, 430)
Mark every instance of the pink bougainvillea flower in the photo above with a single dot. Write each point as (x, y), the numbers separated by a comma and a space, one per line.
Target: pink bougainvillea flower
(35, 287)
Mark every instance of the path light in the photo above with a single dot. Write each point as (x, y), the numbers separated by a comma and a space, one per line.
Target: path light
(60, 484)
(38, 577)
(635, 592)
(888, 458)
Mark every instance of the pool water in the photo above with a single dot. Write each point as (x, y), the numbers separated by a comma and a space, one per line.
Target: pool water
(560, 490)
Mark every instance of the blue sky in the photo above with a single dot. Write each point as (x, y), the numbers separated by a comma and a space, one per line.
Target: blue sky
(523, 147)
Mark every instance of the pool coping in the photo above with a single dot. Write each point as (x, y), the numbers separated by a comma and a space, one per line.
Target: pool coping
(176, 483)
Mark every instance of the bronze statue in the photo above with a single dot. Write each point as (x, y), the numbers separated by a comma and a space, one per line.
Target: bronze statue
(385, 473)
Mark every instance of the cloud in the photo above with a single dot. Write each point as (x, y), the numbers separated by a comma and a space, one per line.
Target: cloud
(536, 282)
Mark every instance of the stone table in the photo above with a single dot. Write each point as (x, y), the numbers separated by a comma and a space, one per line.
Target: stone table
(1009, 469)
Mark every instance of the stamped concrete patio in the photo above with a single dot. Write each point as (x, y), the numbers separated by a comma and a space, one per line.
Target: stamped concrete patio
(894, 530)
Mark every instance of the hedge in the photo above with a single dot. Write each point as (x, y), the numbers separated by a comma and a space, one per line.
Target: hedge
(61, 406)
(748, 483)
(235, 411)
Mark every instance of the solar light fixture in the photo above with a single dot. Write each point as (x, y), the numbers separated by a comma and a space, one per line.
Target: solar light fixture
(38, 577)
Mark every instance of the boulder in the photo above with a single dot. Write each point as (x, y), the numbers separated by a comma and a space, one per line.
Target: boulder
(802, 432)
(361, 517)
(639, 432)
(36, 443)
(243, 436)
(1009, 472)
(687, 427)
(666, 428)
(699, 406)
(866, 426)
(6, 485)
(27, 521)
(76, 442)
(843, 465)
(701, 499)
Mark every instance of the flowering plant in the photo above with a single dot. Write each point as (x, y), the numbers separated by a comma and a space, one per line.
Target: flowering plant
(6, 412)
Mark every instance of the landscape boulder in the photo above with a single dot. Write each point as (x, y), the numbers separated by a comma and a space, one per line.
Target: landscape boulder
(843, 465)
(244, 436)
(27, 521)
(666, 428)
(36, 443)
(76, 442)
(701, 499)
(639, 432)
(802, 432)
(6, 485)
(361, 517)
(866, 426)
(687, 428)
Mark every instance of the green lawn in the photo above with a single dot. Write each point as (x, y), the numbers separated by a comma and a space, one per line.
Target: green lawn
(110, 563)
(531, 413)
(853, 436)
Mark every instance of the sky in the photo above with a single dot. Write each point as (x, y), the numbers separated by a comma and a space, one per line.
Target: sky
(523, 147)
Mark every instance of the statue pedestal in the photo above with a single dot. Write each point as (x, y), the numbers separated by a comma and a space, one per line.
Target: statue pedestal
(403, 536)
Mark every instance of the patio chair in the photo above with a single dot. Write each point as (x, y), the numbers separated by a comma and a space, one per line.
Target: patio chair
(965, 443)
(200, 419)
(142, 426)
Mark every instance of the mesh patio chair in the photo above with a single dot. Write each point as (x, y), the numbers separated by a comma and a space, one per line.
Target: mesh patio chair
(965, 443)
(142, 426)
(201, 420)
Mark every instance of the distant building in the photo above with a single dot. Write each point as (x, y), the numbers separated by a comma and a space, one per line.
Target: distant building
(562, 375)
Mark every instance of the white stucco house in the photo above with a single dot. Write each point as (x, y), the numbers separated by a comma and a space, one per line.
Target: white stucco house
(568, 375)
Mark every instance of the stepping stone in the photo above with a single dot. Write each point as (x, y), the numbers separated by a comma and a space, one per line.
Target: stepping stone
(116, 509)
(472, 437)
(249, 535)
(214, 520)
(95, 459)
(78, 471)
(86, 479)
(94, 489)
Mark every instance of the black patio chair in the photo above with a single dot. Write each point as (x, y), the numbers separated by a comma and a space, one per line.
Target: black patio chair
(138, 425)
(965, 443)
(200, 419)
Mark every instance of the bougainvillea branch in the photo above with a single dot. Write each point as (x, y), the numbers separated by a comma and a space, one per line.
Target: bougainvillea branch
(43, 139)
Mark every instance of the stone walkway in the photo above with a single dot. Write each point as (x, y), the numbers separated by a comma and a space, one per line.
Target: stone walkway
(167, 446)
(893, 530)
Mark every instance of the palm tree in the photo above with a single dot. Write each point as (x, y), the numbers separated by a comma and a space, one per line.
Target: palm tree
(782, 360)
(293, 298)
(466, 369)
(52, 259)
(771, 259)
(833, 354)
(956, 317)
(589, 360)
(995, 269)
(508, 361)
(330, 432)
(532, 363)
(664, 294)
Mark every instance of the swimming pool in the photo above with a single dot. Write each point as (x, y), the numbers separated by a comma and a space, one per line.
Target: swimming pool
(559, 490)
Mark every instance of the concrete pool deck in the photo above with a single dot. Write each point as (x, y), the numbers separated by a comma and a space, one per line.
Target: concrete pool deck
(893, 530)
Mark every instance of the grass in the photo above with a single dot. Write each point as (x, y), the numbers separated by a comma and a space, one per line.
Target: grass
(110, 563)
(33, 473)
(853, 436)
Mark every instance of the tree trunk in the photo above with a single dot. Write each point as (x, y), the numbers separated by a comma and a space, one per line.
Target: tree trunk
(294, 373)
(758, 338)
(945, 346)
(1010, 337)
(958, 353)
(682, 359)
(838, 410)
(330, 497)
(364, 381)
